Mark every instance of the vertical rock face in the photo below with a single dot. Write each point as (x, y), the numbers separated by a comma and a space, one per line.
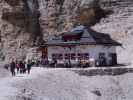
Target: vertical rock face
(48, 17)
(25, 23)
(61, 15)
(119, 25)
(19, 26)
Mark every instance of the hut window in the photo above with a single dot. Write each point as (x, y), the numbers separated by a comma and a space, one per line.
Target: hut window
(57, 56)
(86, 56)
(73, 56)
(79, 56)
(53, 56)
(60, 56)
(83, 56)
(67, 56)
(101, 55)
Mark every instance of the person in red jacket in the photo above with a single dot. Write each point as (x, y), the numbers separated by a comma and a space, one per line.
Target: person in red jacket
(17, 66)
(22, 67)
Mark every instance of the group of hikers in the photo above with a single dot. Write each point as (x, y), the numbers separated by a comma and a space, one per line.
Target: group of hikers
(20, 66)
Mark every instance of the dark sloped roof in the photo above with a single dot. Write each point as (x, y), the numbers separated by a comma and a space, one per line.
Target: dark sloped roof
(76, 32)
(91, 37)
(102, 38)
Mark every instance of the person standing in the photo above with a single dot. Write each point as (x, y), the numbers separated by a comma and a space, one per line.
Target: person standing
(55, 62)
(17, 66)
(21, 67)
(29, 64)
(24, 67)
(12, 68)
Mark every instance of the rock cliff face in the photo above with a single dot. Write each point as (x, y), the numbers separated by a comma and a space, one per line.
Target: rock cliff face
(61, 15)
(25, 23)
(119, 25)
(19, 27)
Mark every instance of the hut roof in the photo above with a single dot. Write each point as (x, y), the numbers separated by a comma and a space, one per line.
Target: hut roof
(87, 37)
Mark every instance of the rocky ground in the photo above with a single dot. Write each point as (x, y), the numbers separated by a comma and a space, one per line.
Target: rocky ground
(66, 84)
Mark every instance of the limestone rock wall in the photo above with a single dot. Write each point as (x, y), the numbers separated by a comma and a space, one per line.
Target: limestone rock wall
(119, 25)
(61, 15)
(27, 23)
(19, 28)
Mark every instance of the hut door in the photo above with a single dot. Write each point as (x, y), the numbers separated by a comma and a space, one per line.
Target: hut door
(114, 58)
(44, 52)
